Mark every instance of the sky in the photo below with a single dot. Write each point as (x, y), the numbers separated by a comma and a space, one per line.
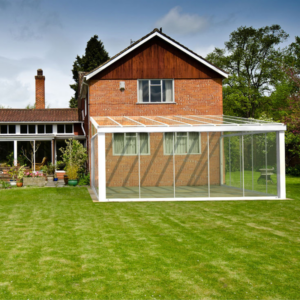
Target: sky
(50, 34)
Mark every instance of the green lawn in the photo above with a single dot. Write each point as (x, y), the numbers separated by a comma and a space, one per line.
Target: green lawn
(58, 244)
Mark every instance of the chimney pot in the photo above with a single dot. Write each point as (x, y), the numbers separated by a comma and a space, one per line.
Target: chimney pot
(40, 72)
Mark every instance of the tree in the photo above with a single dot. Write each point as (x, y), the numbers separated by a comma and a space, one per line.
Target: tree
(95, 55)
(250, 56)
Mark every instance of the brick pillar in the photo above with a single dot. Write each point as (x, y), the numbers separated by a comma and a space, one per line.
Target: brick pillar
(40, 90)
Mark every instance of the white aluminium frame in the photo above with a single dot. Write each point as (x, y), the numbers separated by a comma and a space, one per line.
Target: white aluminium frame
(208, 128)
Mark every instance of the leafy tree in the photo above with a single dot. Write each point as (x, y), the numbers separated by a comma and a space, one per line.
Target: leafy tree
(251, 57)
(95, 55)
(292, 57)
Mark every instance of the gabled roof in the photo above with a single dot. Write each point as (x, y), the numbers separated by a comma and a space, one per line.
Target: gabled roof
(149, 36)
(13, 115)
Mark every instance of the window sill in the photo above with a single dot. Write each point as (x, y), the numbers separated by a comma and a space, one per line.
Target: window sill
(156, 103)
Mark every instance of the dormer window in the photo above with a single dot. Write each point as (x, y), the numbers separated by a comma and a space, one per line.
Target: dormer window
(156, 90)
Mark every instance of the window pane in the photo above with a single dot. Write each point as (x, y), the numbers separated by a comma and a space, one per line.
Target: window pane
(118, 143)
(194, 142)
(167, 91)
(60, 128)
(41, 129)
(12, 129)
(143, 91)
(168, 142)
(31, 129)
(130, 146)
(155, 82)
(181, 143)
(144, 145)
(23, 129)
(69, 128)
(155, 94)
(3, 129)
(49, 129)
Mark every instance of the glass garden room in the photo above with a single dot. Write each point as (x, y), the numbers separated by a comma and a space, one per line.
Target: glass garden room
(168, 158)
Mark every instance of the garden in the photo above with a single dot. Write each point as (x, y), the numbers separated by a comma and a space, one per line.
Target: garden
(26, 172)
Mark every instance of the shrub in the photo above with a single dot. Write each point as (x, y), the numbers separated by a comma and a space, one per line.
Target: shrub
(294, 171)
(84, 180)
(72, 172)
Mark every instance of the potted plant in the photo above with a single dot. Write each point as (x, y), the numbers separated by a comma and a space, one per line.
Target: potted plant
(72, 172)
(13, 172)
(21, 173)
(49, 170)
(55, 177)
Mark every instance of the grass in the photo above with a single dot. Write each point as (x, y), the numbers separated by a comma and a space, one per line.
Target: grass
(55, 243)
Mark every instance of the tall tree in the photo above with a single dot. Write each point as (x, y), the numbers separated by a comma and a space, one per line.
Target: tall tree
(95, 55)
(250, 56)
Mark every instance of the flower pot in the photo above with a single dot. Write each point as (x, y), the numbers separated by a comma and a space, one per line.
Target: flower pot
(19, 184)
(13, 182)
(5, 172)
(55, 179)
(66, 179)
(50, 178)
(72, 182)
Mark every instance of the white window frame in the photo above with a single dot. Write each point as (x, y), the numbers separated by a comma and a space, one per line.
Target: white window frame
(161, 91)
(7, 129)
(65, 129)
(137, 152)
(188, 145)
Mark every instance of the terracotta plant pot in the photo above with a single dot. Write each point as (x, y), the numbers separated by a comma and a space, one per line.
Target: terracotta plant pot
(19, 184)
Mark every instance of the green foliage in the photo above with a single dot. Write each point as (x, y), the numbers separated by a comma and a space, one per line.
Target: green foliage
(95, 55)
(84, 180)
(4, 184)
(13, 172)
(21, 173)
(74, 154)
(251, 58)
(49, 169)
(10, 159)
(72, 172)
(294, 171)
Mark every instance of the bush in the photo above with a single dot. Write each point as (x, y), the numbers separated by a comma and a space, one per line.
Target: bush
(294, 171)
(84, 180)
(72, 172)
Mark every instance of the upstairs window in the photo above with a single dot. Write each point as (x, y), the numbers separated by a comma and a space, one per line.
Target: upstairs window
(156, 90)
(8, 129)
(64, 128)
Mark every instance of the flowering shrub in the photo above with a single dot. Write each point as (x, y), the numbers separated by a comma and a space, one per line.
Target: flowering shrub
(32, 174)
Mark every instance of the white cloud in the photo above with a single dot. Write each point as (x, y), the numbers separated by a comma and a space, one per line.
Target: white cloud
(204, 50)
(182, 23)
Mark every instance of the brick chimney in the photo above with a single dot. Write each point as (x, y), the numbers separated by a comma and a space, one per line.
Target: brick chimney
(40, 90)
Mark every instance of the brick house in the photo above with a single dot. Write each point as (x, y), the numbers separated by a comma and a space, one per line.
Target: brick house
(155, 130)
(41, 128)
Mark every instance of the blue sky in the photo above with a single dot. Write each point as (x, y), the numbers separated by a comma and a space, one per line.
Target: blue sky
(49, 34)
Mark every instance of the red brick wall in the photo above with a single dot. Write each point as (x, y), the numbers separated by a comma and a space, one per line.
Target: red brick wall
(192, 96)
(156, 169)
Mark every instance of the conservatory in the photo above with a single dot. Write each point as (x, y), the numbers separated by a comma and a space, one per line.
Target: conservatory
(187, 157)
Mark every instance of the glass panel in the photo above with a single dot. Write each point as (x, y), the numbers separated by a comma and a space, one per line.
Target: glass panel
(130, 143)
(194, 144)
(31, 129)
(24, 129)
(12, 129)
(230, 170)
(155, 93)
(248, 165)
(168, 143)
(118, 143)
(156, 170)
(49, 129)
(69, 128)
(144, 143)
(41, 129)
(181, 142)
(167, 91)
(95, 165)
(43, 154)
(60, 128)
(143, 91)
(259, 166)
(122, 173)
(271, 164)
(191, 173)
(155, 82)
(3, 129)
(6, 148)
